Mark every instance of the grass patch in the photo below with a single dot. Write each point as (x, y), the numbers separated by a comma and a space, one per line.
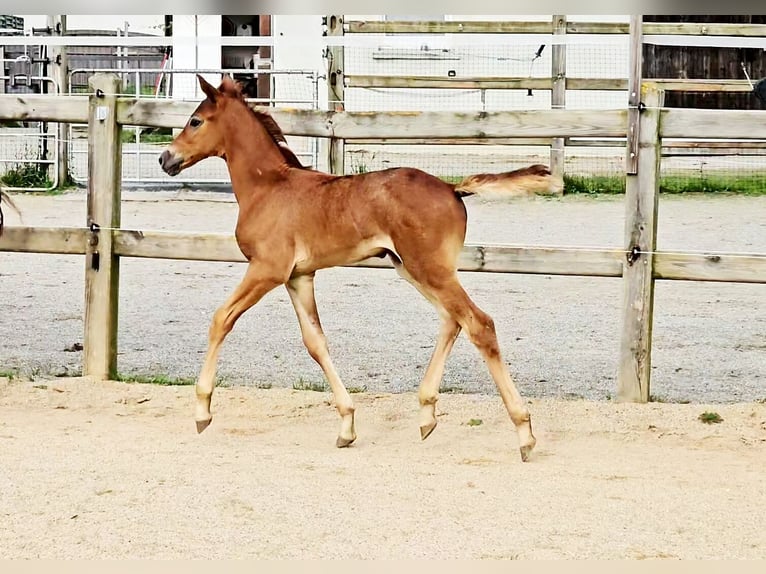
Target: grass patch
(26, 175)
(710, 418)
(317, 386)
(147, 135)
(163, 380)
(353, 390)
(745, 184)
(474, 422)
(9, 374)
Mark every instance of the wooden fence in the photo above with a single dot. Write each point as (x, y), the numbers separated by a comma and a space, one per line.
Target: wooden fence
(104, 242)
(558, 82)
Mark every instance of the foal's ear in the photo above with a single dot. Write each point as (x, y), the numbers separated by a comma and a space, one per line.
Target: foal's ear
(208, 88)
(229, 86)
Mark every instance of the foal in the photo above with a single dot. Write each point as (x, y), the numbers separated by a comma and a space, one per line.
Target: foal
(294, 220)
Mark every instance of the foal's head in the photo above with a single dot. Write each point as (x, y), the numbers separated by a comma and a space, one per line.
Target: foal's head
(203, 134)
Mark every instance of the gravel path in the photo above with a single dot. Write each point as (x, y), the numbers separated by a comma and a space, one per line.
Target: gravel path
(558, 334)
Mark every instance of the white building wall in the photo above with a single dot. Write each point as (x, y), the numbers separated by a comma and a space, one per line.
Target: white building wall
(205, 54)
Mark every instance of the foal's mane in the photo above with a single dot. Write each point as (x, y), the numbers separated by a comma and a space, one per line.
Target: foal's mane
(274, 131)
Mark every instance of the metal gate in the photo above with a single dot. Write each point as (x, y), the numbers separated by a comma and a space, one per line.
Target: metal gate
(297, 88)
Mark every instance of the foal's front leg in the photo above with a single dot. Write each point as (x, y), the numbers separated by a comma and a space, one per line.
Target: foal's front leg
(260, 278)
(301, 290)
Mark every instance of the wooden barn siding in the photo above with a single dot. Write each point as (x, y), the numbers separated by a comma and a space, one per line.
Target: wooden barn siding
(705, 62)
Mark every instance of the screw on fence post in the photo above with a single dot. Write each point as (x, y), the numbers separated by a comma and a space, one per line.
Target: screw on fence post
(641, 194)
(102, 265)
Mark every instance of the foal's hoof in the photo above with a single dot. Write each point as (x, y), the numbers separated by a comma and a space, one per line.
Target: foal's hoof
(344, 442)
(525, 450)
(202, 425)
(426, 430)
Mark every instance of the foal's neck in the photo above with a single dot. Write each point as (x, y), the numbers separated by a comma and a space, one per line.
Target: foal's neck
(252, 155)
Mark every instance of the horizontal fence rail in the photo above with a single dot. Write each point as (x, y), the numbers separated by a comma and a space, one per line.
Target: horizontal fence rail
(675, 123)
(574, 261)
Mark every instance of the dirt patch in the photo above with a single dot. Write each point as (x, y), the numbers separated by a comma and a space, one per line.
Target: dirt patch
(116, 470)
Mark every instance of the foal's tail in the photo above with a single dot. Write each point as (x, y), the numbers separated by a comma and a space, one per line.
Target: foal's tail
(533, 180)
(4, 197)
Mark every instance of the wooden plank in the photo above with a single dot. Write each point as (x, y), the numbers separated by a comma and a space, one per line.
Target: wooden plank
(728, 267)
(405, 125)
(641, 197)
(532, 123)
(59, 70)
(43, 240)
(412, 82)
(634, 94)
(183, 246)
(487, 258)
(336, 79)
(101, 265)
(703, 29)
(703, 85)
(484, 82)
(489, 27)
(44, 108)
(452, 141)
(442, 27)
(597, 27)
(558, 94)
(708, 124)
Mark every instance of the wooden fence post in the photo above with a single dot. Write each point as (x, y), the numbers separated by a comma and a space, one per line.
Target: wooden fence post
(641, 196)
(558, 92)
(335, 96)
(60, 67)
(102, 270)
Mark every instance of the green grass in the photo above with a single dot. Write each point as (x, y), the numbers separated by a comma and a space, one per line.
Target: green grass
(9, 374)
(26, 175)
(317, 386)
(474, 422)
(710, 418)
(147, 135)
(745, 184)
(163, 380)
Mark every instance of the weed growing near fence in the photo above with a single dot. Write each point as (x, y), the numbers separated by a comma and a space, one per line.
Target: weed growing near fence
(26, 175)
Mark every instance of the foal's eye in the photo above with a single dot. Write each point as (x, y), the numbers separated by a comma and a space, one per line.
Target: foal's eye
(195, 122)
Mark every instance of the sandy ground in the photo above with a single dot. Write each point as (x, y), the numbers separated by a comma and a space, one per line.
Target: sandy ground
(559, 335)
(116, 470)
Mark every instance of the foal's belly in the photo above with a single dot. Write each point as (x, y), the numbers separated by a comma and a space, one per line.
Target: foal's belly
(323, 256)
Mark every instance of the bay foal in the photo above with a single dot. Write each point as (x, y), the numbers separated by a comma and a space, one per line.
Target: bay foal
(294, 220)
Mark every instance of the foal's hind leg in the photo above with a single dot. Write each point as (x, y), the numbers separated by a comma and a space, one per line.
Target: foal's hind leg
(259, 279)
(301, 290)
(428, 393)
(444, 287)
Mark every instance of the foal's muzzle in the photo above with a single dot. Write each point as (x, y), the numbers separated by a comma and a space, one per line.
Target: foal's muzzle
(171, 163)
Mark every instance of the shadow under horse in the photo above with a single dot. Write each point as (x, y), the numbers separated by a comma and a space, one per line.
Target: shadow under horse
(294, 221)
